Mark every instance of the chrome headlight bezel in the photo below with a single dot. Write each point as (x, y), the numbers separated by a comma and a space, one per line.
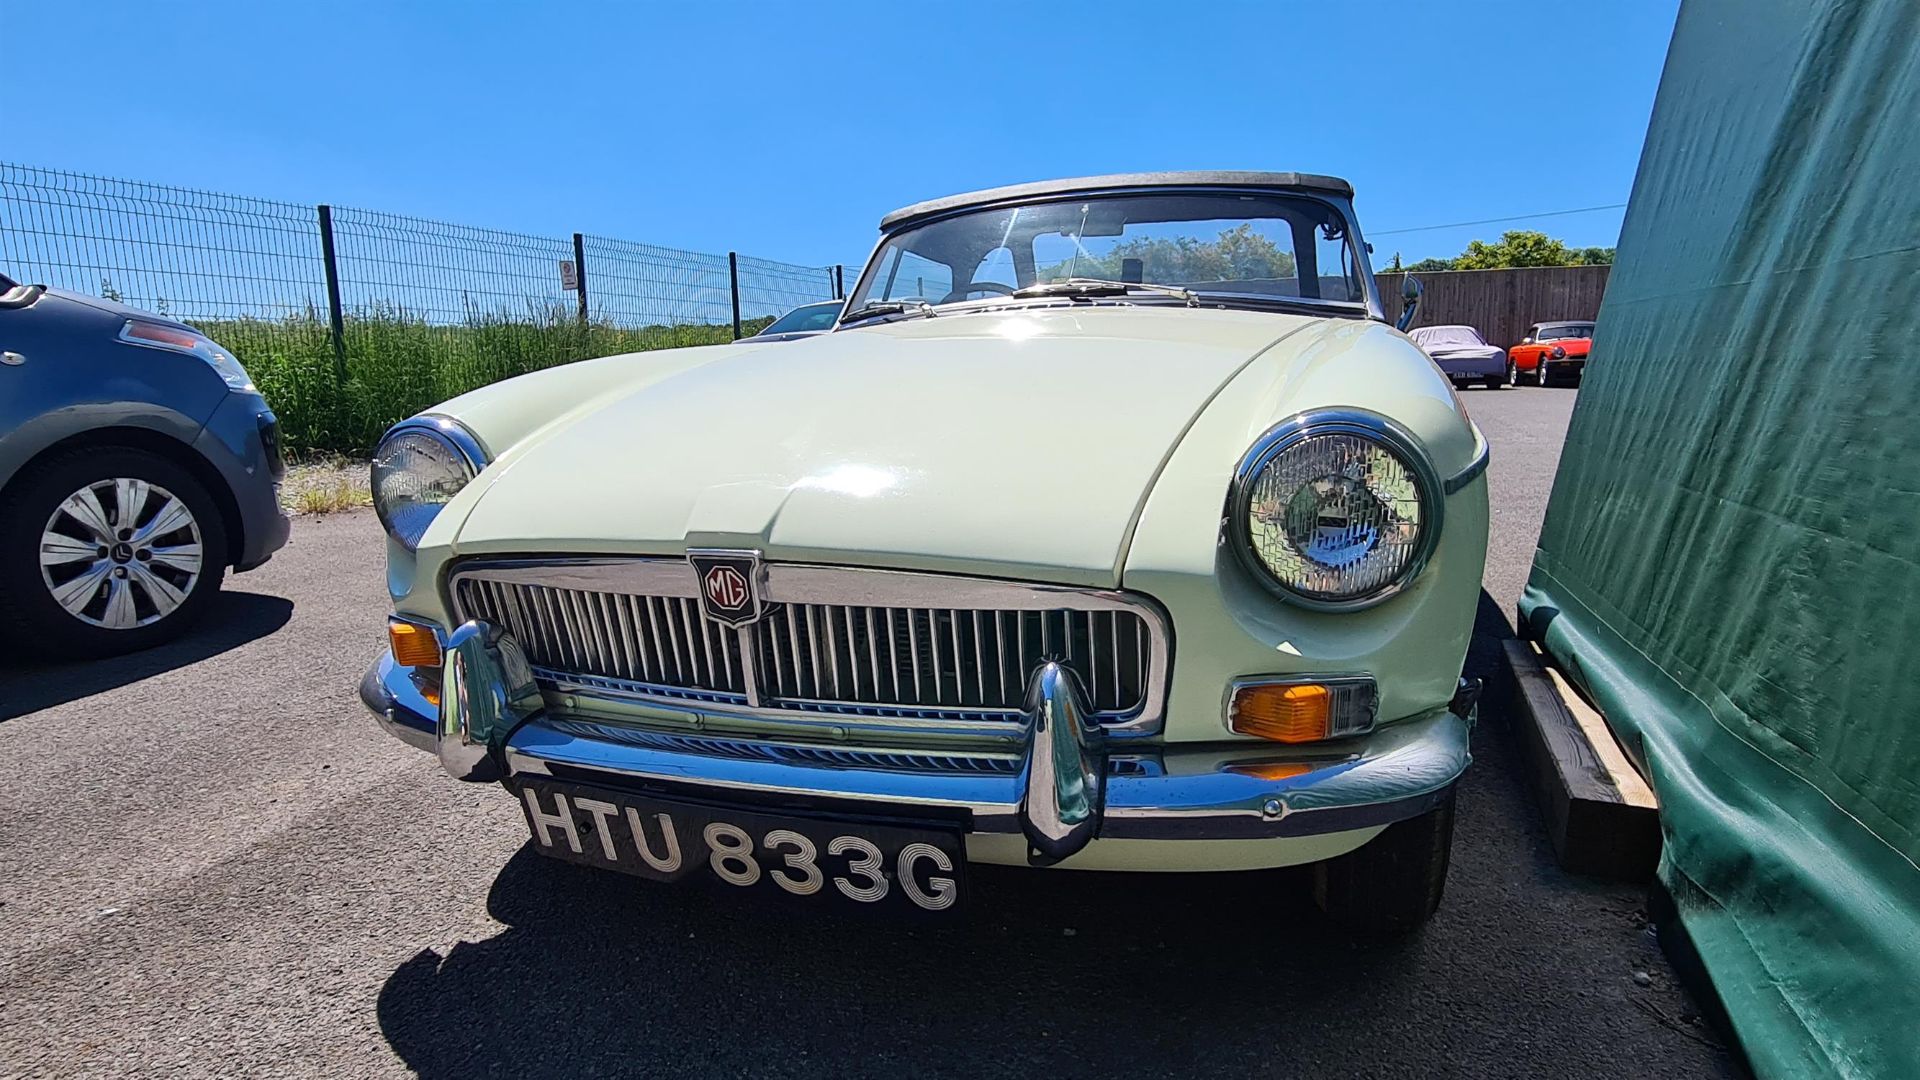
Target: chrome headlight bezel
(1295, 430)
(463, 448)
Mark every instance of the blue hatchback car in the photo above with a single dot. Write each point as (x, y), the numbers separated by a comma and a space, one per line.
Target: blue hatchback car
(137, 463)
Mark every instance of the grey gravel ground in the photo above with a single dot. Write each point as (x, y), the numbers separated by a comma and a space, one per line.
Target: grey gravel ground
(212, 863)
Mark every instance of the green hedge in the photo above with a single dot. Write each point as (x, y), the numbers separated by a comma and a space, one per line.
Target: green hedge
(397, 365)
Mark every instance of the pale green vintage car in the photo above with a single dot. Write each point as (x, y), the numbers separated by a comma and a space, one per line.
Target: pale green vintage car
(1111, 527)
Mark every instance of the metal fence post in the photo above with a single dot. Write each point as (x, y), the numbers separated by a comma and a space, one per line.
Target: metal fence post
(733, 275)
(839, 281)
(580, 273)
(336, 323)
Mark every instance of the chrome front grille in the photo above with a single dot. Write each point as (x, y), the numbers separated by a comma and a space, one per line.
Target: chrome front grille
(838, 656)
(885, 646)
(661, 641)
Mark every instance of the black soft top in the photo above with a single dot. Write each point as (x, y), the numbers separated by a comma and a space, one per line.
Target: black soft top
(1296, 181)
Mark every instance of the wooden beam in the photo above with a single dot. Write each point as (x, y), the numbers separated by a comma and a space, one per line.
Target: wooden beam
(1600, 814)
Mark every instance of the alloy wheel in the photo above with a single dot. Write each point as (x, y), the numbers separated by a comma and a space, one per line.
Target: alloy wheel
(121, 553)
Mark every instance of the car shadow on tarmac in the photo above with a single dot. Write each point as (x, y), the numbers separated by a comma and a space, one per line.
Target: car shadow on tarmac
(605, 975)
(234, 619)
(1060, 973)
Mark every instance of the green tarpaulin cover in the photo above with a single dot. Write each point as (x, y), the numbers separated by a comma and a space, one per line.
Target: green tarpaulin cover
(1731, 558)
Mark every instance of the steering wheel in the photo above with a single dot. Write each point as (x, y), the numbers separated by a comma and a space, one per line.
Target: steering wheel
(972, 287)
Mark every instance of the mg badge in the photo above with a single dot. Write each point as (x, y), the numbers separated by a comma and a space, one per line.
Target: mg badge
(729, 584)
(727, 588)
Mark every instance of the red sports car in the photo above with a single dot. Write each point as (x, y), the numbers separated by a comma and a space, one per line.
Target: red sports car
(1553, 351)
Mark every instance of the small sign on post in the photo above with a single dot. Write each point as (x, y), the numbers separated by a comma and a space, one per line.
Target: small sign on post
(569, 275)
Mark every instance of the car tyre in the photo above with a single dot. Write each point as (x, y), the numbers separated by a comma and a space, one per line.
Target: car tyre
(1541, 376)
(1392, 884)
(161, 570)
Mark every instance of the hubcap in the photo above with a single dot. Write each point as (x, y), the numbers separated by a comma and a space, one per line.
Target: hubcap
(120, 553)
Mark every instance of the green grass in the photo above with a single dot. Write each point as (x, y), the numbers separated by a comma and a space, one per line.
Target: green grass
(398, 365)
(325, 484)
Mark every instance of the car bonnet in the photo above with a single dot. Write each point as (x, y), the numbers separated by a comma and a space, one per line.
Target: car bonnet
(1013, 443)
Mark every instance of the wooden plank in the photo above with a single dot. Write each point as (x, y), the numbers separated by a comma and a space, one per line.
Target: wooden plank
(1613, 759)
(1501, 304)
(1600, 815)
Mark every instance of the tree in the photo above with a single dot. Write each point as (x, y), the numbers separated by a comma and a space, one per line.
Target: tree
(1518, 247)
(1515, 248)
(1240, 254)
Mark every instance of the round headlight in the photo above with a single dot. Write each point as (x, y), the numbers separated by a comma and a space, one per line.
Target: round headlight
(419, 466)
(1336, 510)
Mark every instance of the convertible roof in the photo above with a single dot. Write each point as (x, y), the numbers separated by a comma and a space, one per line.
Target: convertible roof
(1297, 181)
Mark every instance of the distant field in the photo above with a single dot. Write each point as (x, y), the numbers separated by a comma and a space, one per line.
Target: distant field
(397, 366)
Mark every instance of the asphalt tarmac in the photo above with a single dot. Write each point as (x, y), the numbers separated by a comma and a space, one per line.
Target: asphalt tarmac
(212, 863)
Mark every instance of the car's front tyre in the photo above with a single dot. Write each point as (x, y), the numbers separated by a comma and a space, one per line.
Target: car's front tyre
(1392, 883)
(107, 550)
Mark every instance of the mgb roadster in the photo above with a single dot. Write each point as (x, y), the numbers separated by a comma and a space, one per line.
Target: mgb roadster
(1110, 527)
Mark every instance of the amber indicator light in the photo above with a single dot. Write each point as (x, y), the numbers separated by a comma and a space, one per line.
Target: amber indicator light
(413, 645)
(1287, 714)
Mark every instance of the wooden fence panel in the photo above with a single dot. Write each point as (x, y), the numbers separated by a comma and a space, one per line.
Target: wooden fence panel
(1501, 304)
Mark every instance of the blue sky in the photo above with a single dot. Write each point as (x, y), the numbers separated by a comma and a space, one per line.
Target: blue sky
(785, 131)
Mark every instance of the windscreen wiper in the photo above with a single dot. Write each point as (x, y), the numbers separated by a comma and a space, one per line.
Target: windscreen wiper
(888, 307)
(1084, 286)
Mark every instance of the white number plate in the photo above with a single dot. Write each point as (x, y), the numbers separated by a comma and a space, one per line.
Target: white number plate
(869, 863)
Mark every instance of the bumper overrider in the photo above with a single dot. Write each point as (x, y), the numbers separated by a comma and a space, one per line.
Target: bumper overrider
(491, 724)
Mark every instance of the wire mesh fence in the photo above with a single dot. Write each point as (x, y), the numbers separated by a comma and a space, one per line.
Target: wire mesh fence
(769, 288)
(352, 319)
(641, 285)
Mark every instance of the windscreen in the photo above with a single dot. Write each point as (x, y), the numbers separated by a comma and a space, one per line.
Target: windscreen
(808, 319)
(1217, 243)
(1562, 331)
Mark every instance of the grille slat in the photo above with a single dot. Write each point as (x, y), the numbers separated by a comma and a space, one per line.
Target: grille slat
(669, 614)
(636, 633)
(706, 649)
(1093, 665)
(893, 654)
(813, 652)
(933, 654)
(833, 648)
(873, 652)
(969, 662)
(577, 619)
(789, 685)
(913, 654)
(686, 625)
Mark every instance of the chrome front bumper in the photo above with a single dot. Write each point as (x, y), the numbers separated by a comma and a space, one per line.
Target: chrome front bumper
(1067, 787)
